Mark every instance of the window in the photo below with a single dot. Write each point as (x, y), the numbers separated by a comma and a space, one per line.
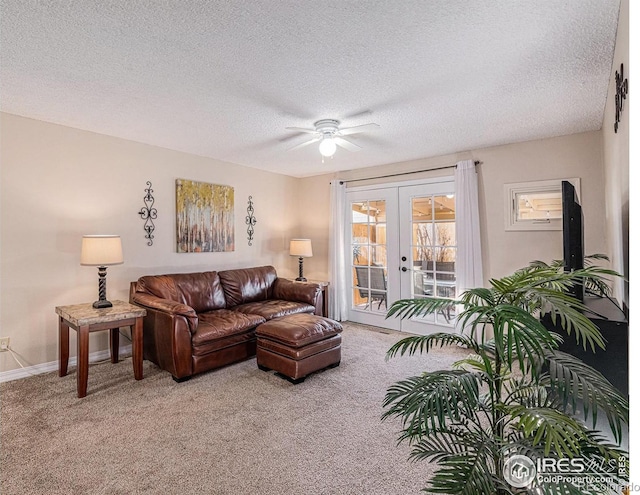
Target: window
(535, 205)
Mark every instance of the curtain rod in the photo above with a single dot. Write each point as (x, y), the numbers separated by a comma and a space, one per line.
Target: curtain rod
(476, 162)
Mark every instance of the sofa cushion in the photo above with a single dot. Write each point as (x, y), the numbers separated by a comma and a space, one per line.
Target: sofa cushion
(223, 323)
(290, 290)
(298, 330)
(240, 339)
(247, 285)
(201, 291)
(274, 308)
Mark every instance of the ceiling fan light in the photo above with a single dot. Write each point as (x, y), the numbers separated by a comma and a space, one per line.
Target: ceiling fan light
(327, 147)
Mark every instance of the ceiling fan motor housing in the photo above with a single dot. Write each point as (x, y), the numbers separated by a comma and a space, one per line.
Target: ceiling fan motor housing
(327, 126)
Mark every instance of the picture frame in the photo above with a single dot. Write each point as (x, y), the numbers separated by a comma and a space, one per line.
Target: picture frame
(204, 217)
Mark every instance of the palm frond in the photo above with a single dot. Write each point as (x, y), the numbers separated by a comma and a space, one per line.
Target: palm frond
(570, 315)
(478, 296)
(411, 308)
(548, 427)
(543, 264)
(464, 475)
(424, 343)
(474, 321)
(526, 393)
(597, 446)
(426, 402)
(590, 259)
(450, 442)
(517, 334)
(575, 381)
(477, 362)
(524, 283)
(592, 277)
(515, 287)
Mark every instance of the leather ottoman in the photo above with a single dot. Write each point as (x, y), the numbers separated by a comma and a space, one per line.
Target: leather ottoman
(297, 345)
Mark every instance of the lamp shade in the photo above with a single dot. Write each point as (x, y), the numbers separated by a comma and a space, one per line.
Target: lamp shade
(301, 248)
(101, 250)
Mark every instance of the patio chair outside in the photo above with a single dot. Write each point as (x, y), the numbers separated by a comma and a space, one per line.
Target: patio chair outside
(377, 282)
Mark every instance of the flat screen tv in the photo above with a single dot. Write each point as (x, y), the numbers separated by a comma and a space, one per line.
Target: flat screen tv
(572, 234)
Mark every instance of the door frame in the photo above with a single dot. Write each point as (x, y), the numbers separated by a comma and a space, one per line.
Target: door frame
(395, 283)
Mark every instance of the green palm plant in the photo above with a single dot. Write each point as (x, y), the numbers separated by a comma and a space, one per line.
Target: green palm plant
(516, 393)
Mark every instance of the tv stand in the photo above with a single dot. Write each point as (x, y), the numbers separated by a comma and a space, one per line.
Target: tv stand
(612, 362)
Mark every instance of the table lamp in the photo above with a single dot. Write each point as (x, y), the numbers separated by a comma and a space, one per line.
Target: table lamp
(101, 251)
(302, 249)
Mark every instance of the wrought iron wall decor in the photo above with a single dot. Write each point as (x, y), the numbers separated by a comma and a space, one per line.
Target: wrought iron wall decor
(148, 213)
(622, 86)
(250, 221)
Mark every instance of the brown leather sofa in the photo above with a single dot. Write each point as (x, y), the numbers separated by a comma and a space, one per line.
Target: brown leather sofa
(201, 321)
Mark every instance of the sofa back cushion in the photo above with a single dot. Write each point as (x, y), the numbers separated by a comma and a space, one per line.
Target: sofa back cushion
(201, 291)
(248, 285)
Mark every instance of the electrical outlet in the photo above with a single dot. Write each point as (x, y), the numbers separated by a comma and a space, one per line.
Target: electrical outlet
(4, 344)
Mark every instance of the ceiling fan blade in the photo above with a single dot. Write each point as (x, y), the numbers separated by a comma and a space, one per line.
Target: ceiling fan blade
(347, 145)
(306, 143)
(301, 129)
(358, 128)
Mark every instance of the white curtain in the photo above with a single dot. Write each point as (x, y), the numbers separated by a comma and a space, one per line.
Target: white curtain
(338, 308)
(469, 256)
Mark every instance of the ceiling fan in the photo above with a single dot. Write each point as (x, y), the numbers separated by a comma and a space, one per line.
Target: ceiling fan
(330, 135)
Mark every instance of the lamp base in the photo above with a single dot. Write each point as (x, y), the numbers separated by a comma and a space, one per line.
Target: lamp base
(102, 289)
(102, 304)
(300, 274)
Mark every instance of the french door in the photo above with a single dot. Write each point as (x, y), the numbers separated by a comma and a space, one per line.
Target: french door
(401, 244)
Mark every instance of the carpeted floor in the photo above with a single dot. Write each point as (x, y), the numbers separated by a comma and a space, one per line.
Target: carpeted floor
(237, 430)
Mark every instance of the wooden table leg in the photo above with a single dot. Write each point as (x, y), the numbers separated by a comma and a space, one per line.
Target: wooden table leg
(325, 302)
(114, 343)
(82, 368)
(136, 345)
(63, 349)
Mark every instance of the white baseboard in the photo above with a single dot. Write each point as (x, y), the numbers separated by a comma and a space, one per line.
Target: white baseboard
(37, 369)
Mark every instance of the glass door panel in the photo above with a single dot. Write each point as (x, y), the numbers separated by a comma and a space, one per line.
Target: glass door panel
(369, 254)
(368, 244)
(427, 240)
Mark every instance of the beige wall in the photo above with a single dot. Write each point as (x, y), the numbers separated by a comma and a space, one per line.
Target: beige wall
(616, 163)
(58, 183)
(578, 155)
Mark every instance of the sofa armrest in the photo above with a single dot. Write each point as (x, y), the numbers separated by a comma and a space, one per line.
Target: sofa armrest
(167, 306)
(288, 290)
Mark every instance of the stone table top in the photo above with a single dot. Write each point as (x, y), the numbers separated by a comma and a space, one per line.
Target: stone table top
(321, 283)
(86, 314)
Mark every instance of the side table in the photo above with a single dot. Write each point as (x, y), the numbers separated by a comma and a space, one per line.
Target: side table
(84, 318)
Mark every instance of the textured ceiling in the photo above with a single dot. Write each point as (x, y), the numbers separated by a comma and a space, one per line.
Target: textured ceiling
(224, 78)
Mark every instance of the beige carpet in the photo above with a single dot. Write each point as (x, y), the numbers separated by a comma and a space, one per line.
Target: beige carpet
(237, 430)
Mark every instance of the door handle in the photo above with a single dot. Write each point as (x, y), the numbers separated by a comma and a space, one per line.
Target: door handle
(404, 268)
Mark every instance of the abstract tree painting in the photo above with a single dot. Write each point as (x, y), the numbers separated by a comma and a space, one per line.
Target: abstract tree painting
(204, 217)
